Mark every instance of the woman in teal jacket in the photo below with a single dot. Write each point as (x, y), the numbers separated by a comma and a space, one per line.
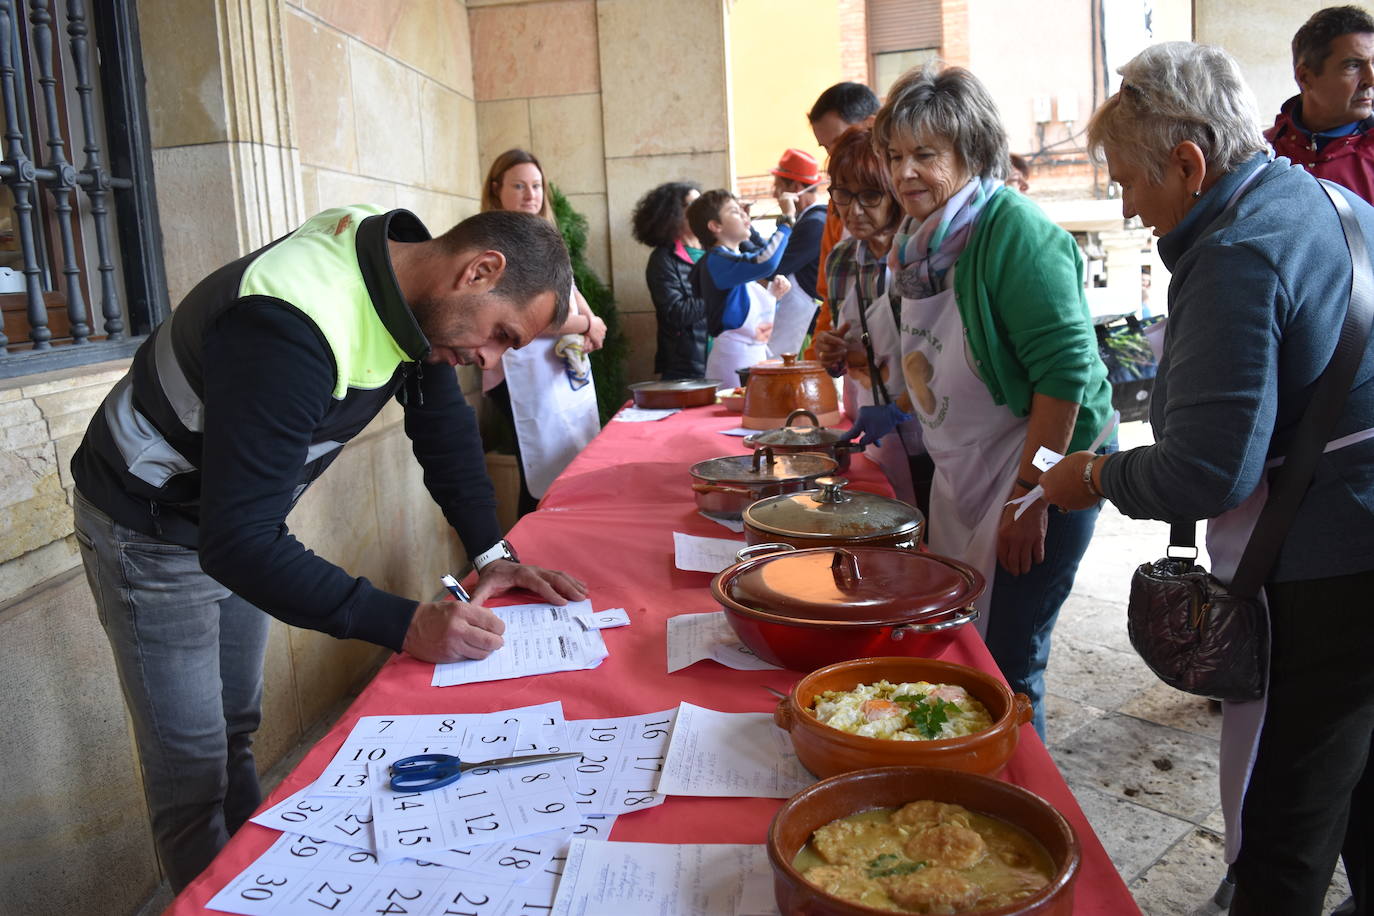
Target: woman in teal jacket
(998, 353)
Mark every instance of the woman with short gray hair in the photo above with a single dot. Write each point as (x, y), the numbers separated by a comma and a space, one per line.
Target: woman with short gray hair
(1260, 287)
(998, 354)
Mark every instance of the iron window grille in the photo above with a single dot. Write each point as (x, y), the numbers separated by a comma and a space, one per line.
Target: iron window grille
(64, 219)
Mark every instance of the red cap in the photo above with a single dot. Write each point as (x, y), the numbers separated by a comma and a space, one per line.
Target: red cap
(798, 165)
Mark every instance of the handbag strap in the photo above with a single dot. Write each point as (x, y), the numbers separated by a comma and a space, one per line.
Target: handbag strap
(875, 377)
(1290, 482)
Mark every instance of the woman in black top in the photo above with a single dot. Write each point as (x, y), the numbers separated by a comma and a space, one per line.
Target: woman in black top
(660, 221)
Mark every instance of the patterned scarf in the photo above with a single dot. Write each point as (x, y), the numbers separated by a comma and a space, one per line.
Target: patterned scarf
(923, 253)
(852, 262)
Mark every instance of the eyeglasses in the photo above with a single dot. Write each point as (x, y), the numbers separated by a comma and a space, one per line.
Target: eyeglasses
(869, 197)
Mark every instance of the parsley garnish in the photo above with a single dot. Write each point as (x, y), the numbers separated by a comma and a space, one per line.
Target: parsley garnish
(888, 865)
(928, 714)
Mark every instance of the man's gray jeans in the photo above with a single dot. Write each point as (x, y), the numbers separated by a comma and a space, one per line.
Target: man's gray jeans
(189, 654)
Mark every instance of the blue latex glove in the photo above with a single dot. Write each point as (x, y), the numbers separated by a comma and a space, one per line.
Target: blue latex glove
(875, 421)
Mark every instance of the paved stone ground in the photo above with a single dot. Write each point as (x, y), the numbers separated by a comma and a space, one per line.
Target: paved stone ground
(1140, 756)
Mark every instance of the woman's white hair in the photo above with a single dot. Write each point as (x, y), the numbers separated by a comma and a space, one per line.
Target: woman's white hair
(1177, 91)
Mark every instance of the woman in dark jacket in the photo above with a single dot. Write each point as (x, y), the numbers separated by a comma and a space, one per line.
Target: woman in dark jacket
(660, 221)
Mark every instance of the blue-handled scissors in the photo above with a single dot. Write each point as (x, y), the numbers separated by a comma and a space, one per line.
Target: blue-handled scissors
(425, 772)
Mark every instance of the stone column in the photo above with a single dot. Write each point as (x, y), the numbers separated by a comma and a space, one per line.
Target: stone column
(219, 106)
(665, 91)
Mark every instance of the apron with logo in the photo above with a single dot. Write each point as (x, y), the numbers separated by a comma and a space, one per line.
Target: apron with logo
(975, 442)
(552, 420)
(891, 453)
(738, 347)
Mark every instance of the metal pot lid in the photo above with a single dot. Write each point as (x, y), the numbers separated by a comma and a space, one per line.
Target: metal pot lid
(677, 384)
(763, 467)
(798, 436)
(850, 586)
(833, 511)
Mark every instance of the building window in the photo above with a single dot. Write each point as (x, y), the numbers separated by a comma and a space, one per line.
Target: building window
(81, 276)
(889, 65)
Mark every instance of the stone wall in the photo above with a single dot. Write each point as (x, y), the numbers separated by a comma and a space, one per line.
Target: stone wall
(261, 112)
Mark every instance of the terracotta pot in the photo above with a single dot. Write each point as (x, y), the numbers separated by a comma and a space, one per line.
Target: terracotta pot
(779, 386)
(725, 487)
(834, 516)
(790, 439)
(827, 751)
(803, 609)
(689, 392)
(891, 787)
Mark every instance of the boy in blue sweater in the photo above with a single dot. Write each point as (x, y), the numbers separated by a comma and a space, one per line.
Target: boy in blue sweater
(739, 311)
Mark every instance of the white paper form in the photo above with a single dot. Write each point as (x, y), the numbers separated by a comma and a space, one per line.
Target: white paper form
(791, 321)
(734, 524)
(621, 761)
(650, 879)
(299, 874)
(539, 638)
(698, 554)
(693, 637)
(644, 414)
(731, 754)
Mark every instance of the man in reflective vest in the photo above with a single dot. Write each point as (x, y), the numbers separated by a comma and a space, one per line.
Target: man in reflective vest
(232, 407)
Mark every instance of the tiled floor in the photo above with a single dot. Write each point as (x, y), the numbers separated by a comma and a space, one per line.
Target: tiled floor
(1140, 756)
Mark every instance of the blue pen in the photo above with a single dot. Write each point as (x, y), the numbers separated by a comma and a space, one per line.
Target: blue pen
(455, 589)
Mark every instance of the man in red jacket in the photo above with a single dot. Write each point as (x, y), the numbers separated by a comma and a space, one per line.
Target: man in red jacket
(1326, 127)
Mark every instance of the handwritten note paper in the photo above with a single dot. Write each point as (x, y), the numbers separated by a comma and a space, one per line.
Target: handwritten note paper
(698, 554)
(539, 638)
(644, 414)
(731, 754)
(738, 431)
(693, 637)
(649, 879)
(734, 524)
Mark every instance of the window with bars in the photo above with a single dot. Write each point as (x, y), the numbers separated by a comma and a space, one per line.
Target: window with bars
(81, 276)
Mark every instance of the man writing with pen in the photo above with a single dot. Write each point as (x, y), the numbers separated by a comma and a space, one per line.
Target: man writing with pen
(231, 408)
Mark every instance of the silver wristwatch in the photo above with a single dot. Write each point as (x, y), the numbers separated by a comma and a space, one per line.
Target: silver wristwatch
(501, 550)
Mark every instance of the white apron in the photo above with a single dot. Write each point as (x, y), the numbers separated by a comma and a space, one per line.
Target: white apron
(737, 348)
(552, 421)
(975, 442)
(890, 454)
(1241, 723)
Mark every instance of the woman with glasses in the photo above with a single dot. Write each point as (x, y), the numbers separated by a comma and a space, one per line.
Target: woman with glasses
(856, 280)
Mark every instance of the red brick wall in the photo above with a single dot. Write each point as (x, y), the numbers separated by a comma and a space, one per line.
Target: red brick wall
(854, 40)
(954, 32)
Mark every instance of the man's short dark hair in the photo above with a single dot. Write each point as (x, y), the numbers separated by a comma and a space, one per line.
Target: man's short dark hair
(1312, 42)
(536, 258)
(853, 102)
(705, 209)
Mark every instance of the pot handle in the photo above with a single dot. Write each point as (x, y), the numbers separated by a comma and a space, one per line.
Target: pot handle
(831, 490)
(970, 614)
(760, 550)
(845, 568)
(802, 412)
(1022, 710)
(782, 715)
(718, 488)
(766, 452)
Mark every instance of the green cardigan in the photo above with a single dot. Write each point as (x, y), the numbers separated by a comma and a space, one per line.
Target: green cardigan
(1019, 288)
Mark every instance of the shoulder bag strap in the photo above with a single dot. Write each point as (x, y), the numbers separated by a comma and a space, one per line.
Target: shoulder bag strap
(1291, 480)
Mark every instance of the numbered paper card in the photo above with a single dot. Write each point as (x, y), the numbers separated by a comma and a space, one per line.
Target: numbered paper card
(299, 874)
(338, 819)
(621, 761)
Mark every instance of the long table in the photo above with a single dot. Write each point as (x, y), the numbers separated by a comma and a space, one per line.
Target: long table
(608, 519)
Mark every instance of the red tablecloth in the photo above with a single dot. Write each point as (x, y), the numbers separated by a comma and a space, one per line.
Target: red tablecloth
(609, 519)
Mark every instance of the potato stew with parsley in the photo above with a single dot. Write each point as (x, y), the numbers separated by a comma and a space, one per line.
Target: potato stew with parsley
(918, 711)
(925, 857)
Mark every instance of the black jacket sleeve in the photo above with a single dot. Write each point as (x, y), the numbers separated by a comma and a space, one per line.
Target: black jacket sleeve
(803, 254)
(259, 412)
(678, 306)
(444, 436)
